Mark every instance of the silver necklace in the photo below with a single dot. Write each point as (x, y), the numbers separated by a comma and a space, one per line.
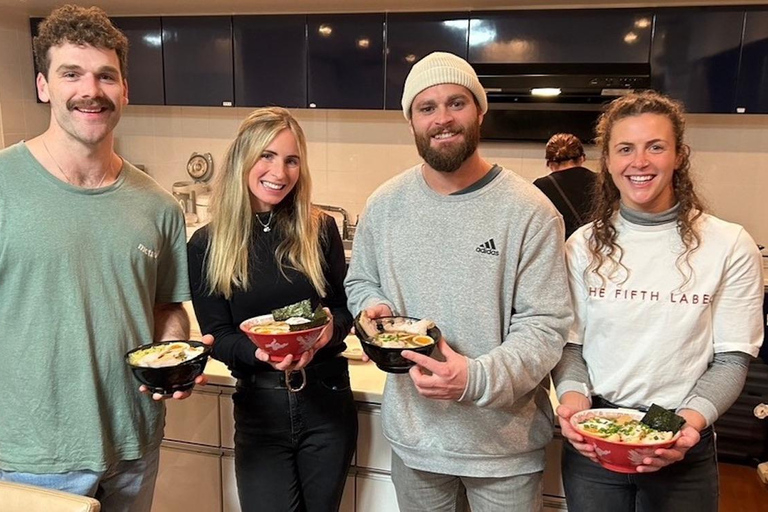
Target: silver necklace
(266, 227)
(104, 175)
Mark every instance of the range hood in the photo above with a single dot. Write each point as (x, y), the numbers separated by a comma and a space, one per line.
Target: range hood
(535, 101)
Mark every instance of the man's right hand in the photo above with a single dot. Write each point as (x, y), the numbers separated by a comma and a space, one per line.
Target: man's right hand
(570, 403)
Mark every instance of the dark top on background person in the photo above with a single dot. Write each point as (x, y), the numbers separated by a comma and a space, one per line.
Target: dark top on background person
(569, 186)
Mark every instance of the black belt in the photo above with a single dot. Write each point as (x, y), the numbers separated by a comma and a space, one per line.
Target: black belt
(295, 381)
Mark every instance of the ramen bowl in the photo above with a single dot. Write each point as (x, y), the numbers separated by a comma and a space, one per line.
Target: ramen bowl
(281, 345)
(168, 379)
(618, 456)
(390, 359)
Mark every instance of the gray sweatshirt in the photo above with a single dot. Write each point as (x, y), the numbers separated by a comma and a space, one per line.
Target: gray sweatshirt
(488, 267)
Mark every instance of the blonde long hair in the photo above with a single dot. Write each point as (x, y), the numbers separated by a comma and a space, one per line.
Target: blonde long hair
(602, 244)
(231, 227)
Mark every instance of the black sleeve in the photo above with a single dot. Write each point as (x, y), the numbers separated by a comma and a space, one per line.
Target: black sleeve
(230, 346)
(335, 272)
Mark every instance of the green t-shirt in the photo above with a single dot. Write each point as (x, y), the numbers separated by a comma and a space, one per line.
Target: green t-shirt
(80, 273)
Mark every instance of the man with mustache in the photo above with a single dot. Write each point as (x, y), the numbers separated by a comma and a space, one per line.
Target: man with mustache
(92, 264)
(480, 251)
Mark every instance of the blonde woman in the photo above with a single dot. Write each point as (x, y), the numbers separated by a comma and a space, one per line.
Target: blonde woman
(668, 310)
(267, 247)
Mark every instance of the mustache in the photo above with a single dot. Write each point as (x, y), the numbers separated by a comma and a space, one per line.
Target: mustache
(97, 102)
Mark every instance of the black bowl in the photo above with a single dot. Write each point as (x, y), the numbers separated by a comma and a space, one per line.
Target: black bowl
(169, 379)
(390, 359)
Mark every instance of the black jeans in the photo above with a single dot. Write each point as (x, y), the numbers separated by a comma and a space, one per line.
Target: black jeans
(690, 485)
(293, 450)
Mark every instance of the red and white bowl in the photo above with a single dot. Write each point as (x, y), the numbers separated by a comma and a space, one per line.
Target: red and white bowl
(279, 346)
(619, 456)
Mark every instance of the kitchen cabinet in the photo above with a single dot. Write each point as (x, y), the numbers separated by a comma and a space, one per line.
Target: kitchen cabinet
(578, 37)
(695, 57)
(411, 36)
(230, 501)
(346, 61)
(189, 478)
(197, 60)
(752, 94)
(146, 85)
(270, 60)
(375, 492)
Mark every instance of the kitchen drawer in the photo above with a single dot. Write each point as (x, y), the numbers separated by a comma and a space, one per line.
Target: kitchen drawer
(553, 483)
(230, 501)
(227, 418)
(194, 420)
(373, 449)
(375, 492)
(188, 478)
(348, 498)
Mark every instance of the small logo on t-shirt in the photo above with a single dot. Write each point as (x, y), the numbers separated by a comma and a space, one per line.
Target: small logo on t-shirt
(488, 247)
(148, 252)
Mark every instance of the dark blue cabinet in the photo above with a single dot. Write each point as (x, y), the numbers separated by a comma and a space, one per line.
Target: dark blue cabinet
(346, 61)
(753, 73)
(411, 36)
(560, 37)
(270, 60)
(695, 57)
(197, 59)
(145, 59)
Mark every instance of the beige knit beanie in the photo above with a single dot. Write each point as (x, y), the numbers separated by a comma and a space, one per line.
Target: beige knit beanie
(441, 68)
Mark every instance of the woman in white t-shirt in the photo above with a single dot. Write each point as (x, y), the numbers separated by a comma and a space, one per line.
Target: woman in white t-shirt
(668, 310)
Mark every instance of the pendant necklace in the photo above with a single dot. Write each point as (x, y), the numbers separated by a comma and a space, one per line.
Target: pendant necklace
(266, 227)
(66, 177)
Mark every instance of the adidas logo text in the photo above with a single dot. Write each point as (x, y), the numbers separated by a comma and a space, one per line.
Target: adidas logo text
(488, 247)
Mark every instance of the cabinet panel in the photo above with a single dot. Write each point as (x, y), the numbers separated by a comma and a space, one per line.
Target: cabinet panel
(194, 420)
(346, 61)
(270, 60)
(553, 483)
(197, 59)
(145, 59)
(753, 72)
(560, 37)
(227, 420)
(695, 57)
(373, 450)
(375, 493)
(410, 37)
(173, 491)
(230, 501)
(348, 498)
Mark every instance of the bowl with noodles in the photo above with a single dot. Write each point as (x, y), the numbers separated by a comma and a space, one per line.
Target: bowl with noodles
(620, 438)
(383, 339)
(168, 366)
(281, 338)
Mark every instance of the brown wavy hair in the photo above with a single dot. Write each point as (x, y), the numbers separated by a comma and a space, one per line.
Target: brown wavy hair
(602, 242)
(79, 26)
(563, 147)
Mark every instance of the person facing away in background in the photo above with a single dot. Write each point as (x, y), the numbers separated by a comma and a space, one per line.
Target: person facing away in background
(668, 303)
(93, 264)
(479, 250)
(267, 247)
(570, 185)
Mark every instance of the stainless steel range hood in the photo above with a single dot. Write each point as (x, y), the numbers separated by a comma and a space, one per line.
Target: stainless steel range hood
(535, 101)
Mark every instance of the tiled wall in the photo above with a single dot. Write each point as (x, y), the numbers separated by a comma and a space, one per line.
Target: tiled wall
(352, 152)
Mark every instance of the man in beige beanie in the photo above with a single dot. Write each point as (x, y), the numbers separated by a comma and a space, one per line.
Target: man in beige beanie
(469, 245)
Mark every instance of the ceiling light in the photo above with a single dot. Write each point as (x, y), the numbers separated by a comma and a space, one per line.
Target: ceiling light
(325, 30)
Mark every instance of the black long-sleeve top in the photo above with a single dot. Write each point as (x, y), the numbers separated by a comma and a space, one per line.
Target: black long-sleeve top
(268, 289)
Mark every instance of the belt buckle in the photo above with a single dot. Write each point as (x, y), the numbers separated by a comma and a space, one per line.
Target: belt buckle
(289, 373)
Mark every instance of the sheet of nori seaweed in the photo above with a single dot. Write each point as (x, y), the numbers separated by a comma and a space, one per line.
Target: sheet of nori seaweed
(662, 419)
(318, 318)
(301, 309)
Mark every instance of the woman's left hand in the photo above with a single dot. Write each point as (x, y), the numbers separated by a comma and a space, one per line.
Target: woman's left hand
(689, 437)
(291, 364)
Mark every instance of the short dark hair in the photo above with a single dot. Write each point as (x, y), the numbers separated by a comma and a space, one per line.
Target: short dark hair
(80, 26)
